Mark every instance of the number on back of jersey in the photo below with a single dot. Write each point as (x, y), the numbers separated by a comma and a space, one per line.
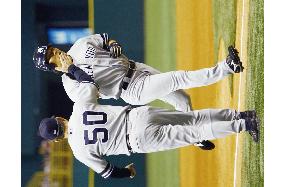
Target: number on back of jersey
(95, 118)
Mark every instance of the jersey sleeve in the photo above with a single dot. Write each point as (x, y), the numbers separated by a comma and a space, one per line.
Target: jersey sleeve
(70, 86)
(99, 40)
(96, 163)
(103, 167)
(85, 90)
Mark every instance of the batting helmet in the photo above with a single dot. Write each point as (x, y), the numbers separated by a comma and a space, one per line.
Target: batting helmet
(50, 129)
(40, 60)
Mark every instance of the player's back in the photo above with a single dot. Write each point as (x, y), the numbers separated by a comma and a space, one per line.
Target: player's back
(98, 129)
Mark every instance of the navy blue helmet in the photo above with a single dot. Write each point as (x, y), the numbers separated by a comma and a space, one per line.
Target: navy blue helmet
(40, 60)
(49, 129)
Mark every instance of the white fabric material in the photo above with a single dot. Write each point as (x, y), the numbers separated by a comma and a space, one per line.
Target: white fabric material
(95, 131)
(107, 72)
(152, 129)
(137, 92)
(148, 87)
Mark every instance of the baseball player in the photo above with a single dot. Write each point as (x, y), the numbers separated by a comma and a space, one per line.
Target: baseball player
(95, 131)
(136, 83)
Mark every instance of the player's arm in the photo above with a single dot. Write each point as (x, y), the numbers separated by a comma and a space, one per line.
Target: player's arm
(112, 171)
(87, 90)
(111, 45)
(103, 41)
(70, 86)
(83, 88)
(105, 168)
(114, 48)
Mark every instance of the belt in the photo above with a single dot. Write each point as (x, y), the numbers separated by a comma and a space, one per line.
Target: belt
(126, 79)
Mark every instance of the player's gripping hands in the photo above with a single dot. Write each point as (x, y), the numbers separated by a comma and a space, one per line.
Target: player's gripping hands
(131, 169)
(65, 62)
(114, 48)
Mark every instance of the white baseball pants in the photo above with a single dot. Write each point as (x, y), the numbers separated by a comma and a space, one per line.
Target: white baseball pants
(154, 129)
(148, 84)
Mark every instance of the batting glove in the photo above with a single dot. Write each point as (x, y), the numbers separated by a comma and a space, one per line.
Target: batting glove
(115, 50)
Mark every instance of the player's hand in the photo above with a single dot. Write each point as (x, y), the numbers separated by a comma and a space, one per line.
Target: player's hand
(131, 169)
(65, 62)
(115, 49)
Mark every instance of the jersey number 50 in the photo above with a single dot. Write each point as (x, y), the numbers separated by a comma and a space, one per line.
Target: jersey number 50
(97, 130)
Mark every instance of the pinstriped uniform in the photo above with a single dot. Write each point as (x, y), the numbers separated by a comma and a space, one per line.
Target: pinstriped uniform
(146, 84)
(96, 131)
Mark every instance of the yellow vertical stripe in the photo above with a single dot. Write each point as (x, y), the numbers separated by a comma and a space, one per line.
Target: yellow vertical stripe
(91, 181)
(91, 15)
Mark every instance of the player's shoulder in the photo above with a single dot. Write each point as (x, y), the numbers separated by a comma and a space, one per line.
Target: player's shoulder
(80, 107)
(83, 43)
(88, 38)
(78, 48)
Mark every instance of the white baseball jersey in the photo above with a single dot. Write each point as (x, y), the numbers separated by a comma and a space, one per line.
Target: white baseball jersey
(94, 130)
(88, 54)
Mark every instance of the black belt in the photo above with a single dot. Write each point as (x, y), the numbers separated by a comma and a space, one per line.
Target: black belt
(126, 79)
